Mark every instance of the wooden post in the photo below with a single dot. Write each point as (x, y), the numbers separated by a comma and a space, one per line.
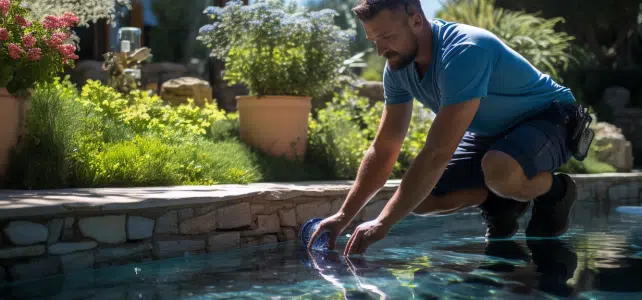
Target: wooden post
(137, 20)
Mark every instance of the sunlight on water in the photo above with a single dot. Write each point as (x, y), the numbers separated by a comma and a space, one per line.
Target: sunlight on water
(422, 258)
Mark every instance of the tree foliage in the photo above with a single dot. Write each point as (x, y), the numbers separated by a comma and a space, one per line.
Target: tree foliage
(610, 30)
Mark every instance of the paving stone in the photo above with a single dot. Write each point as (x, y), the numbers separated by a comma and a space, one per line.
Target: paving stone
(24, 233)
(104, 229)
(139, 228)
(26, 251)
(65, 248)
(234, 216)
(77, 261)
(224, 241)
(307, 211)
(200, 225)
(36, 268)
(288, 217)
(167, 223)
(269, 223)
(184, 214)
(165, 249)
(55, 229)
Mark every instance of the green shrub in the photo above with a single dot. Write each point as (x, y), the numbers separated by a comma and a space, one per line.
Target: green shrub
(149, 161)
(345, 128)
(51, 124)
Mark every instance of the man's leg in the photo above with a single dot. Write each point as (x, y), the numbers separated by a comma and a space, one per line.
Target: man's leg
(462, 186)
(520, 167)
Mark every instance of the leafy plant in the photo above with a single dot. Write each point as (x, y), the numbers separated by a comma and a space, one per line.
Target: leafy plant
(345, 128)
(32, 51)
(533, 37)
(277, 49)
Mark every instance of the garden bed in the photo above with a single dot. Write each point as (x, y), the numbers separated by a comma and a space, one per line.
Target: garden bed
(59, 231)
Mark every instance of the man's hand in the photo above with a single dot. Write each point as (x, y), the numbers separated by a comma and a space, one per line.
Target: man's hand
(334, 225)
(365, 235)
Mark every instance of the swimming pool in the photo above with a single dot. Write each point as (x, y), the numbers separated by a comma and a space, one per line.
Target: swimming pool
(422, 258)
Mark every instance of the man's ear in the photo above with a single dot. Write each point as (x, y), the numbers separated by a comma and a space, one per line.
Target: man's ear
(415, 19)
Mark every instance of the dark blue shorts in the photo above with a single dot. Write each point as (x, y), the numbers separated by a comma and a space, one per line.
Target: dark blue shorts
(538, 144)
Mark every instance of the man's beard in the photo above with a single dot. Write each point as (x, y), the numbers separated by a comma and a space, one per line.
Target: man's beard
(403, 60)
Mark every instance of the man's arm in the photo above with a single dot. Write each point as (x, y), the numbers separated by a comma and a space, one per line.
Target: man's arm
(445, 134)
(380, 158)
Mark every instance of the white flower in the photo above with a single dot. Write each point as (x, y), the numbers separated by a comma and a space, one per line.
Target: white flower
(88, 11)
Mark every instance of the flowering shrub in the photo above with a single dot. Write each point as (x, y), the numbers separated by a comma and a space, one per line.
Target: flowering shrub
(277, 49)
(32, 51)
(87, 10)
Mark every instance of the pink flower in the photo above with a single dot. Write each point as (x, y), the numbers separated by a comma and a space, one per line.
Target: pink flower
(51, 22)
(34, 54)
(67, 51)
(28, 40)
(15, 51)
(69, 19)
(55, 40)
(22, 21)
(4, 34)
(5, 5)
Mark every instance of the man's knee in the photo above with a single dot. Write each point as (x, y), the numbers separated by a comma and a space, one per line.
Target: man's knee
(503, 174)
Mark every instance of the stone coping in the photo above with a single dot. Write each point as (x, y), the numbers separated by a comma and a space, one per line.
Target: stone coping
(30, 203)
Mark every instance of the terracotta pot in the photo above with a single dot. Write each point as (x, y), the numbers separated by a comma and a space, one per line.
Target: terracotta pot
(276, 125)
(11, 117)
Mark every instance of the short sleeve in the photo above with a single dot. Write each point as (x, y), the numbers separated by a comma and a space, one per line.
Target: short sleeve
(393, 92)
(465, 74)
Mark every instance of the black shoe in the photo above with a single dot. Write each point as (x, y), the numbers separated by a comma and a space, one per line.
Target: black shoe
(550, 216)
(501, 216)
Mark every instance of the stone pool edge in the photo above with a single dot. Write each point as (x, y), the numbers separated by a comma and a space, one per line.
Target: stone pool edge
(60, 231)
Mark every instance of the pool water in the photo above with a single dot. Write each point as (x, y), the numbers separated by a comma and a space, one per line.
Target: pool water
(422, 258)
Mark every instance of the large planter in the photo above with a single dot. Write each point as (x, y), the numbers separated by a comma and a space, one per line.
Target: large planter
(11, 117)
(276, 125)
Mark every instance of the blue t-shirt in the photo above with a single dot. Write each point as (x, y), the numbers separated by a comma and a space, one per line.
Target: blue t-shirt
(470, 62)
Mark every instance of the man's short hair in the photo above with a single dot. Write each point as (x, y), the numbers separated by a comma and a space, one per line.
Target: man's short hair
(368, 9)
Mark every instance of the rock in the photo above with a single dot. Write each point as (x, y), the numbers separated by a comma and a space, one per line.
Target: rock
(617, 97)
(176, 91)
(249, 242)
(39, 267)
(166, 249)
(69, 222)
(139, 228)
(23, 233)
(35, 250)
(77, 261)
(269, 223)
(167, 223)
(307, 211)
(68, 230)
(616, 150)
(121, 253)
(373, 90)
(199, 225)
(55, 229)
(65, 248)
(288, 217)
(184, 214)
(234, 216)
(104, 229)
(224, 241)
(289, 234)
(373, 210)
(3, 275)
(336, 205)
(269, 239)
